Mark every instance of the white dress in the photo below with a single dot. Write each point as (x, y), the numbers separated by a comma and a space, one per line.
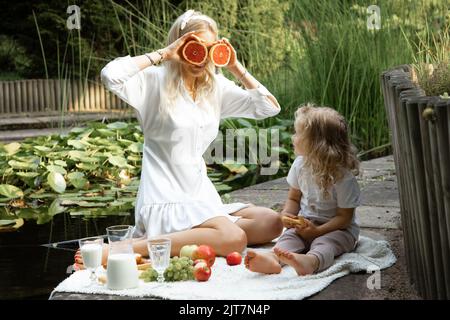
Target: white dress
(175, 193)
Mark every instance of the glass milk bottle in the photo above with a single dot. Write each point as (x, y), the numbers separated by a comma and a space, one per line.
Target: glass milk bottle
(122, 272)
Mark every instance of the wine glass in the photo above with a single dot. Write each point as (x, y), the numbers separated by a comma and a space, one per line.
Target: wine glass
(91, 251)
(159, 251)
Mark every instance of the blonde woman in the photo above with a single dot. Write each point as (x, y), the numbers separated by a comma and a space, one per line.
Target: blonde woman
(179, 106)
(323, 192)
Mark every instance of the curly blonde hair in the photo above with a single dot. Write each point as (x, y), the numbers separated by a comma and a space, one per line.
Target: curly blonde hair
(173, 83)
(324, 137)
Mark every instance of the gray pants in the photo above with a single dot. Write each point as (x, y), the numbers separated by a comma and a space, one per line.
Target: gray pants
(325, 247)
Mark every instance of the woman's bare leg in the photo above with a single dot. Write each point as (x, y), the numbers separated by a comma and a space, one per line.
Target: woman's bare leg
(260, 224)
(219, 232)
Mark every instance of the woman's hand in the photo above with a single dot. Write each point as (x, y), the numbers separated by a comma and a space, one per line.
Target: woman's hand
(233, 59)
(173, 51)
(308, 233)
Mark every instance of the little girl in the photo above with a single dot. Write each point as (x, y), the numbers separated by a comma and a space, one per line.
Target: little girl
(323, 189)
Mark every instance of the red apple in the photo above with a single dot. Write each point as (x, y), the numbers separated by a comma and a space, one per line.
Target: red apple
(206, 253)
(202, 272)
(200, 260)
(234, 259)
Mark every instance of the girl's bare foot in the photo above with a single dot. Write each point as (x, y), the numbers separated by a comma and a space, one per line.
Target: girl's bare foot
(262, 262)
(303, 264)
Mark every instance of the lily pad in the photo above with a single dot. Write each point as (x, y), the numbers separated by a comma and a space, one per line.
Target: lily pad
(12, 148)
(10, 191)
(13, 225)
(118, 161)
(118, 125)
(56, 181)
(58, 169)
(77, 179)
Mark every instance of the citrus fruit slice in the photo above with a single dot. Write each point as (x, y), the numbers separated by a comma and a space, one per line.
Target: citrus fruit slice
(220, 54)
(195, 52)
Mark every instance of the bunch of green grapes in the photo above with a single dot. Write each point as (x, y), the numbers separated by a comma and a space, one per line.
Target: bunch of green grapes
(179, 269)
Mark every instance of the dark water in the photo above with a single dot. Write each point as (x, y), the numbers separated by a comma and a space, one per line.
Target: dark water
(29, 270)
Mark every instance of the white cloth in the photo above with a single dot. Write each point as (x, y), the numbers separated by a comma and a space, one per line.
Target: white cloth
(344, 194)
(229, 283)
(175, 192)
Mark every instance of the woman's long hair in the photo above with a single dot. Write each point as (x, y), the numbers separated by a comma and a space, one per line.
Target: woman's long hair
(328, 152)
(206, 85)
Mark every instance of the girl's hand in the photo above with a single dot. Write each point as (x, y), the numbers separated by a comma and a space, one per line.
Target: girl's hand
(173, 51)
(233, 59)
(308, 233)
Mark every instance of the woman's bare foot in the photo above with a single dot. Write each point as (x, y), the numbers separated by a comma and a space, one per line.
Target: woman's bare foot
(262, 262)
(303, 264)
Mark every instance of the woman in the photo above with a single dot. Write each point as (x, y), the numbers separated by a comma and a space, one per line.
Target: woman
(179, 107)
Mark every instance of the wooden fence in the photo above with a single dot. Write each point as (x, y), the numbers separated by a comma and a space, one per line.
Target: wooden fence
(56, 96)
(420, 127)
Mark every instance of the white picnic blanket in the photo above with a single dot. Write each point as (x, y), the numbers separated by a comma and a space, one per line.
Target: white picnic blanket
(236, 282)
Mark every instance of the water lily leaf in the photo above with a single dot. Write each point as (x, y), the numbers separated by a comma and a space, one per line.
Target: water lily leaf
(106, 132)
(118, 161)
(7, 222)
(42, 148)
(53, 168)
(235, 168)
(87, 166)
(60, 163)
(134, 158)
(22, 165)
(118, 125)
(136, 147)
(77, 179)
(56, 182)
(125, 142)
(13, 226)
(10, 192)
(27, 175)
(12, 148)
(77, 155)
(77, 144)
(84, 204)
(89, 159)
(56, 208)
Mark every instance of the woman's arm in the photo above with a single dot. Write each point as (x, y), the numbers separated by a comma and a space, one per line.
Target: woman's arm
(249, 82)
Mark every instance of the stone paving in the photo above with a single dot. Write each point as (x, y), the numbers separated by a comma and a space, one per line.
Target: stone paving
(379, 217)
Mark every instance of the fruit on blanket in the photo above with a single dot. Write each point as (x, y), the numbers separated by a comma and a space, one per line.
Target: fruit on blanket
(199, 260)
(179, 269)
(195, 52)
(220, 54)
(202, 272)
(188, 250)
(206, 253)
(234, 258)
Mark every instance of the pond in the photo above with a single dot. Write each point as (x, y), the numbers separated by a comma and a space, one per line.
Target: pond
(30, 270)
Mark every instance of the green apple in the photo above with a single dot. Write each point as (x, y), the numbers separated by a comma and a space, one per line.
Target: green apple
(188, 250)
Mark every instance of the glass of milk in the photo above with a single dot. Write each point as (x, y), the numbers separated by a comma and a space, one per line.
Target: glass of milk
(159, 252)
(91, 251)
(122, 272)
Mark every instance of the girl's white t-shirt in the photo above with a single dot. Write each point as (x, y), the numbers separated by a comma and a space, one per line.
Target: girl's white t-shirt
(175, 193)
(314, 206)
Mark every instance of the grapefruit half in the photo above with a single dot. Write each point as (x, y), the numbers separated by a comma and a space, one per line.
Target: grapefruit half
(195, 52)
(220, 54)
